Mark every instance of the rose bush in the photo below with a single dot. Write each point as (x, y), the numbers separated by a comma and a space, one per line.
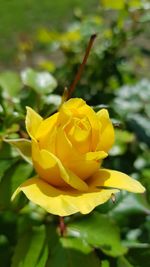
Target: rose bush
(67, 153)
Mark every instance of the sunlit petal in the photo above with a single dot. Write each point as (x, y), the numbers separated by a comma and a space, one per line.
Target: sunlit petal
(62, 203)
(114, 179)
(82, 165)
(46, 125)
(50, 168)
(107, 136)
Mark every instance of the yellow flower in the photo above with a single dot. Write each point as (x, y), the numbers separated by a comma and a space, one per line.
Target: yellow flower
(67, 151)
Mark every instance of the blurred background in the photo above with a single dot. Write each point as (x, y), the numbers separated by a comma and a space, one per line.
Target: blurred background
(41, 47)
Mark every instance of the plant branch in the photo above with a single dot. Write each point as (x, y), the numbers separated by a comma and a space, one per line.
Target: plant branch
(81, 67)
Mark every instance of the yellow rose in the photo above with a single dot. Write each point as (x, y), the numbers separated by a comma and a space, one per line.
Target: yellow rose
(67, 151)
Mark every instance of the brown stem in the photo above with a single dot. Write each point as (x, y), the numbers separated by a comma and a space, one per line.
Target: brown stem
(81, 67)
(62, 226)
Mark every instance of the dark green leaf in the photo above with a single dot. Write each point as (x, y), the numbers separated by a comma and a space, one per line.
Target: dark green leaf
(13, 177)
(4, 165)
(69, 252)
(5, 253)
(139, 257)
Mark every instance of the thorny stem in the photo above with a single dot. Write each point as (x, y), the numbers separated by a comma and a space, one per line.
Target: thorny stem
(62, 226)
(81, 67)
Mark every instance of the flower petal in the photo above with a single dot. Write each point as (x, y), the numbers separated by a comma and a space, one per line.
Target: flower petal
(77, 107)
(87, 164)
(62, 203)
(46, 127)
(69, 108)
(74, 103)
(33, 121)
(83, 165)
(107, 131)
(97, 155)
(46, 166)
(50, 168)
(115, 179)
(79, 133)
(95, 124)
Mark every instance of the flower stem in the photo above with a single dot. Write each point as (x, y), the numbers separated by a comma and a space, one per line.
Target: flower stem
(62, 226)
(81, 67)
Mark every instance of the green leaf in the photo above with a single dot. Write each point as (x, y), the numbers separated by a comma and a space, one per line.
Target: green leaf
(43, 82)
(43, 257)
(69, 252)
(77, 244)
(99, 231)
(10, 82)
(13, 177)
(23, 146)
(29, 248)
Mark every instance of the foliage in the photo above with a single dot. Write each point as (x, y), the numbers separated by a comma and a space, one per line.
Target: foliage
(114, 234)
